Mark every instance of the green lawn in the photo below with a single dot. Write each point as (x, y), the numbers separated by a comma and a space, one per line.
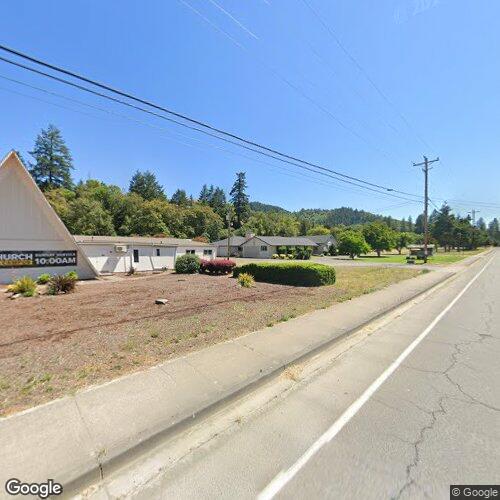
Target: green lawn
(439, 258)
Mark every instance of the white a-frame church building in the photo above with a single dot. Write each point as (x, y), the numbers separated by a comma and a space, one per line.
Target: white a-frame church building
(33, 240)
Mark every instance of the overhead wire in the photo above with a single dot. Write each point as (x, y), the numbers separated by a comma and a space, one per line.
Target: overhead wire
(342, 177)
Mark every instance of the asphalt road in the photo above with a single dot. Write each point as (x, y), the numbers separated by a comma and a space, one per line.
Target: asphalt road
(404, 413)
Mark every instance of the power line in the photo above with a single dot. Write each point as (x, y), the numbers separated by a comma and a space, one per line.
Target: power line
(291, 173)
(362, 70)
(278, 75)
(322, 60)
(213, 133)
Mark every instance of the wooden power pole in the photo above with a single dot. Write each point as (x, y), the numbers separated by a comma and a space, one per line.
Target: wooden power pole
(425, 164)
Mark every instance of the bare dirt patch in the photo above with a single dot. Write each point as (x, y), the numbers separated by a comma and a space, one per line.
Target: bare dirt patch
(54, 345)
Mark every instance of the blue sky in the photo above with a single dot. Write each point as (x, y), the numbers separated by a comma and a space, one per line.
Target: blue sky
(272, 73)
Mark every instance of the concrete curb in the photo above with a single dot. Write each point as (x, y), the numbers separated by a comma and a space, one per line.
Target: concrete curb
(77, 440)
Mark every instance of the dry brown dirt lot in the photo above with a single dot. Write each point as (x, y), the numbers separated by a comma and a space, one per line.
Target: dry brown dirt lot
(54, 345)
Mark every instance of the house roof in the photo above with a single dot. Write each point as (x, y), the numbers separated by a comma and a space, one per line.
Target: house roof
(236, 241)
(291, 241)
(140, 240)
(322, 238)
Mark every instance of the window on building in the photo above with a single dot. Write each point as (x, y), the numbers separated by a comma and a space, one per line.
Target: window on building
(136, 255)
(157, 252)
(207, 251)
(263, 248)
(191, 251)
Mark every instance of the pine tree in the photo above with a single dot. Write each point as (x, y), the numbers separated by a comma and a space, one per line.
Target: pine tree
(481, 224)
(146, 185)
(180, 197)
(410, 224)
(419, 224)
(239, 198)
(218, 201)
(53, 161)
(204, 196)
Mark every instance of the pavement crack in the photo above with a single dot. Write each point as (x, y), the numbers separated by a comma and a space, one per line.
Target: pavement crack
(434, 415)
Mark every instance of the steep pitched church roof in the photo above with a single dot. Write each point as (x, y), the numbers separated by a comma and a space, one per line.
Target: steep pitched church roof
(13, 171)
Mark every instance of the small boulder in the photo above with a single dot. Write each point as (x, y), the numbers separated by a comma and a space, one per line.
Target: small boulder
(161, 301)
(15, 296)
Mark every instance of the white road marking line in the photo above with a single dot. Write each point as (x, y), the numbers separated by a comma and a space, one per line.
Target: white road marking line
(273, 488)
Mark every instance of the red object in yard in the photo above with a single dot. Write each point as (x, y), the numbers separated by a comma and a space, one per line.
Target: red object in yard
(217, 266)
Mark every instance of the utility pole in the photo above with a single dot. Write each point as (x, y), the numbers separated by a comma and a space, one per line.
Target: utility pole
(473, 212)
(425, 164)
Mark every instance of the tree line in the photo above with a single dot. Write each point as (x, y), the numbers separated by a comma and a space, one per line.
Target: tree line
(93, 207)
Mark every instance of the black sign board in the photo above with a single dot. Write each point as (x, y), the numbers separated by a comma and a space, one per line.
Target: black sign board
(37, 258)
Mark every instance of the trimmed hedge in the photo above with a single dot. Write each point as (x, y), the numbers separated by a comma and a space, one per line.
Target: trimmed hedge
(289, 273)
(217, 266)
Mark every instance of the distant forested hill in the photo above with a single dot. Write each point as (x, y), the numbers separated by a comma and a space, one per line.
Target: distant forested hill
(336, 216)
(257, 206)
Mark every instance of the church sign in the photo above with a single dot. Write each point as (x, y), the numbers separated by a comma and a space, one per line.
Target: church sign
(37, 258)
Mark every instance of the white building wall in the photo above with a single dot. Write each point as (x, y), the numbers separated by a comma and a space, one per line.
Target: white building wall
(200, 251)
(106, 260)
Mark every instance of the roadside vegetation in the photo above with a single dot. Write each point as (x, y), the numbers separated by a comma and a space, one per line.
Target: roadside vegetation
(93, 207)
(106, 329)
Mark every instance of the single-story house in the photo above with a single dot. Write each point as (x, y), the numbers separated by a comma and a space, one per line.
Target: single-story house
(264, 247)
(33, 239)
(235, 246)
(118, 254)
(324, 242)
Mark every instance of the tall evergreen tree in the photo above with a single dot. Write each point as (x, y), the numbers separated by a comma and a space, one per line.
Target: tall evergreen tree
(53, 161)
(239, 199)
(204, 196)
(218, 201)
(410, 224)
(419, 224)
(180, 197)
(443, 227)
(147, 186)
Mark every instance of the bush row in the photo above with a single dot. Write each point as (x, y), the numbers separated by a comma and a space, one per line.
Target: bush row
(190, 264)
(217, 266)
(289, 273)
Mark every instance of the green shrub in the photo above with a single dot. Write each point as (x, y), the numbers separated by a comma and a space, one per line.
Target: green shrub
(43, 279)
(73, 274)
(63, 283)
(303, 253)
(332, 250)
(246, 280)
(26, 286)
(289, 273)
(187, 264)
(275, 256)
